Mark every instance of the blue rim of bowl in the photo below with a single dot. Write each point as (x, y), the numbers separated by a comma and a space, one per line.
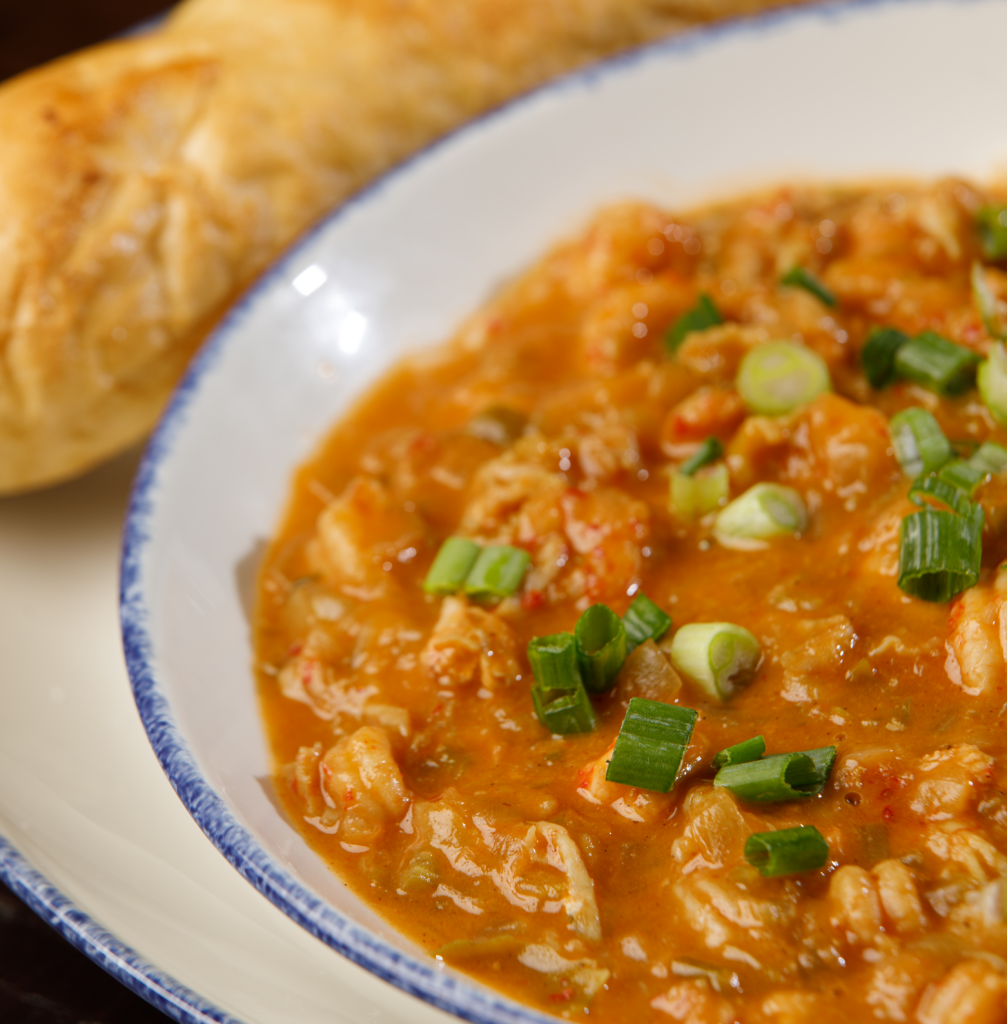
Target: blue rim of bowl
(422, 979)
(86, 935)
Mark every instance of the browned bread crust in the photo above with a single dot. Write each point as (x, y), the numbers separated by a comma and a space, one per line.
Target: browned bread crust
(145, 182)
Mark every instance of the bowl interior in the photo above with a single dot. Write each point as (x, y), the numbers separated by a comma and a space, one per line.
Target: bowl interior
(847, 91)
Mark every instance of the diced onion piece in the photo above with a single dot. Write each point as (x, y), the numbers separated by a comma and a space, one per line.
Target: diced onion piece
(991, 309)
(651, 744)
(989, 457)
(991, 223)
(763, 512)
(919, 443)
(748, 750)
(940, 552)
(779, 777)
(992, 380)
(452, 565)
(558, 695)
(944, 492)
(936, 363)
(703, 315)
(719, 657)
(962, 475)
(497, 571)
(781, 375)
(644, 621)
(709, 451)
(798, 277)
(787, 851)
(694, 496)
(601, 647)
(878, 355)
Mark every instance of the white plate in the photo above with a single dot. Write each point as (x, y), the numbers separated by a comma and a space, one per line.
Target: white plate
(866, 88)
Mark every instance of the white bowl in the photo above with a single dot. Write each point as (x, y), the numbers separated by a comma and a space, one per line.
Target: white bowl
(833, 92)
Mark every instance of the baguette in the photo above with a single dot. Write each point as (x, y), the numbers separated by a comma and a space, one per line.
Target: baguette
(145, 182)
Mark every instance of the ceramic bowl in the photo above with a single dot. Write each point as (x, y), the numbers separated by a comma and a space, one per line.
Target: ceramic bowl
(836, 92)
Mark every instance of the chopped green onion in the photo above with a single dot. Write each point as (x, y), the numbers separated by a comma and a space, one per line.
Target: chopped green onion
(937, 363)
(709, 451)
(719, 657)
(779, 777)
(651, 744)
(991, 222)
(962, 475)
(498, 424)
(824, 758)
(940, 552)
(878, 355)
(703, 315)
(561, 702)
(779, 376)
(763, 512)
(693, 496)
(943, 491)
(798, 277)
(989, 457)
(497, 571)
(451, 566)
(919, 443)
(644, 621)
(787, 851)
(749, 750)
(601, 647)
(991, 309)
(991, 377)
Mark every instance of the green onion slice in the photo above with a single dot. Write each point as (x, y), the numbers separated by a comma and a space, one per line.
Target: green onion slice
(787, 851)
(499, 424)
(824, 758)
(692, 497)
(963, 475)
(719, 657)
(937, 363)
(749, 750)
(940, 490)
(651, 744)
(763, 512)
(497, 571)
(798, 277)
(779, 376)
(919, 443)
(878, 355)
(991, 309)
(558, 695)
(991, 222)
(703, 315)
(709, 451)
(991, 377)
(601, 647)
(779, 777)
(990, 457)
(644, 621)
(451, 566)
(940, 552)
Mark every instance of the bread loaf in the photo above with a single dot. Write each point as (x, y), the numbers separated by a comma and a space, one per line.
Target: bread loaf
(145, 182)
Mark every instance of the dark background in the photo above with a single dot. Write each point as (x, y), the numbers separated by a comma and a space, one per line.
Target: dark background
(43, 979)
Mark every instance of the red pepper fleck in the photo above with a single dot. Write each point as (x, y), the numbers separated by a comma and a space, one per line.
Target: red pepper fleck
(564, 995)
(532, 600)
(888, 814)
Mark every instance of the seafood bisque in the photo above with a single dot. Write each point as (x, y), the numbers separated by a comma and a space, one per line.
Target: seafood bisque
(641, 652)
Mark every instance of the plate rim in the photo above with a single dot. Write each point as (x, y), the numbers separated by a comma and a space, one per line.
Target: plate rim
(462, 997)
(85, 934)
